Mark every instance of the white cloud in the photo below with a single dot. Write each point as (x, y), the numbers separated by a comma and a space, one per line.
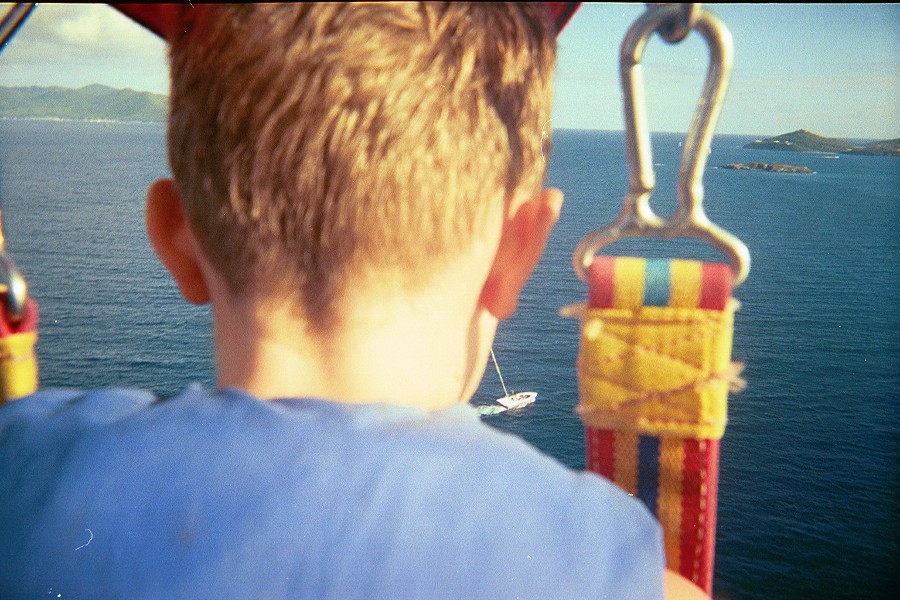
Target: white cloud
(82, 29)
(77, 44)
(89, 30)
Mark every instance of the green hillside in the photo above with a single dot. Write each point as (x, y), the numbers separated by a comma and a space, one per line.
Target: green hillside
(887, 147)
(807, 141)
(92, 102)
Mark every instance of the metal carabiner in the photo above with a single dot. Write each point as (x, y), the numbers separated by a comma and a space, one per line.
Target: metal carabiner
(12, 284)
(637, 218)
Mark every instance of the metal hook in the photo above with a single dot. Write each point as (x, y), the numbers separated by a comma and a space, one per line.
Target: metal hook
(637, 218)
(12, 284)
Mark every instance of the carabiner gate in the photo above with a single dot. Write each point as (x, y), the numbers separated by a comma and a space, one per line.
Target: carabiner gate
(637, 218)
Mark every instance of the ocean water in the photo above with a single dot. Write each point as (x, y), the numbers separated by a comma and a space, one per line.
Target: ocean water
(808, 501)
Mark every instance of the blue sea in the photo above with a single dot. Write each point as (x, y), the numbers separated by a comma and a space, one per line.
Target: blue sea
(808, 501)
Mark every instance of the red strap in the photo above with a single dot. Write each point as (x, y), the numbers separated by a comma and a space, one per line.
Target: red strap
(166, 19)
(161, 19)
(561, 13)
(676, 478)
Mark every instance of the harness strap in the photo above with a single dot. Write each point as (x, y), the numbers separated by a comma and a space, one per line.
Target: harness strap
(654, 374)
(18, 360)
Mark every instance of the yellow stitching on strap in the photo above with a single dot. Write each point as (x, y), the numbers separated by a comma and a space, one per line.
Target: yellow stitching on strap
(657, 370)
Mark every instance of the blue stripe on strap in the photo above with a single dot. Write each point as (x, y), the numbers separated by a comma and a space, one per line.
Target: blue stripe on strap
(648, 470)
(657, 283)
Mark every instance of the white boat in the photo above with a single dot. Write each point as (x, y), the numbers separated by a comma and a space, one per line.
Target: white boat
(514, 400)
(518, 400)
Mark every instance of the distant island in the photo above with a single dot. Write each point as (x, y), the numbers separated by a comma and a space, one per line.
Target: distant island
(807, 141)
(771, 167)
(93, 102)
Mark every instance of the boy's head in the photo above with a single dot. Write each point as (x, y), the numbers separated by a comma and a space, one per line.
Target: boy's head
(316, 147)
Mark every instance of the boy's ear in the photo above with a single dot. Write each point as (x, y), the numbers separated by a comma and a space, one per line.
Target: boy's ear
(525, 233)
(174, 242)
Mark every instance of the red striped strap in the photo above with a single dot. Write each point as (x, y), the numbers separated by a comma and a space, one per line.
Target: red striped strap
(676, 477)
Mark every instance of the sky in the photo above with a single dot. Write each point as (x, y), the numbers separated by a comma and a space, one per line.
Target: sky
(830, 68)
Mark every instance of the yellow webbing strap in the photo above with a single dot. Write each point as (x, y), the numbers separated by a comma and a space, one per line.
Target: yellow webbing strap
(654, 368)
(654, 373)
(18, 359)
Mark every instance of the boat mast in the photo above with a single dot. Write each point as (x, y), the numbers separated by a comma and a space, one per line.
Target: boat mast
(496, 366)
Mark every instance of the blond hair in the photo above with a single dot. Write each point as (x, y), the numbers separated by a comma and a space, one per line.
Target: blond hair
(313, 143)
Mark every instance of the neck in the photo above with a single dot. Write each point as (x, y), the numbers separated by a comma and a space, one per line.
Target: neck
(427, 351)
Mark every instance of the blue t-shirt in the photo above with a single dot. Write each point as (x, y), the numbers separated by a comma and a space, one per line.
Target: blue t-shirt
(117, 494)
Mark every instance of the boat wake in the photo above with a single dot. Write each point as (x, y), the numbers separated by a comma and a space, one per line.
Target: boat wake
(489, 409)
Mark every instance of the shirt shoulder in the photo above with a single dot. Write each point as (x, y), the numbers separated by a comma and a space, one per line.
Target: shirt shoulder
(220, 492)
(461, 489)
